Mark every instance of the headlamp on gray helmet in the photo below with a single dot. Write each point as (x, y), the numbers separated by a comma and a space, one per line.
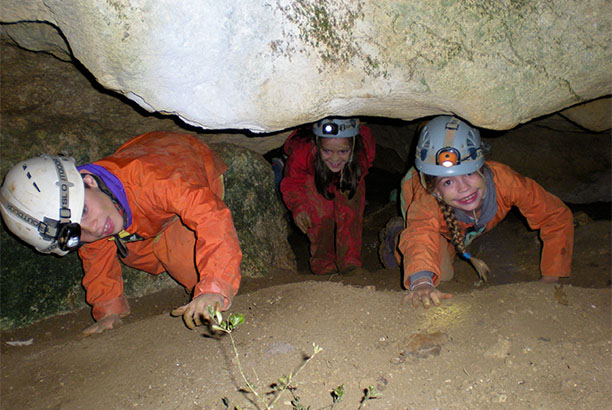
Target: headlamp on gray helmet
(336, 128)
(447, 147)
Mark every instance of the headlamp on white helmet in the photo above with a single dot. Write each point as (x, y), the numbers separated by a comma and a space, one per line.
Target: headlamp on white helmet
(448, 146)
(41, 201)
(336, 128)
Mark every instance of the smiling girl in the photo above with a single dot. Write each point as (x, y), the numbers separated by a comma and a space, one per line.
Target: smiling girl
(324, 189)
(456, 196)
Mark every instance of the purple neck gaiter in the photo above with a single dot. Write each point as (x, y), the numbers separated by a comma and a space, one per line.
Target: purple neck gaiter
(114, 185)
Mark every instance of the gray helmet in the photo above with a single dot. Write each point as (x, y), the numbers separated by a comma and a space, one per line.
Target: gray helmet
(336, 128)
(447, 147)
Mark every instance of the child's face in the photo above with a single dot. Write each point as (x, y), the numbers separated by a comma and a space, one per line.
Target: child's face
(335, 152)
(100, 217)
(463, 192)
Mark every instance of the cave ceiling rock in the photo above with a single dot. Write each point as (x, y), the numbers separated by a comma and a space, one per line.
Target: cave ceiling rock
(266, 66)
(595, 115)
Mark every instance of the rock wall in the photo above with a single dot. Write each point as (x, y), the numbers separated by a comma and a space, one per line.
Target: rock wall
(270, 65)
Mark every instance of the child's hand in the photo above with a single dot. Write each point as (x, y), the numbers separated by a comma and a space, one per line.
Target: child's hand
(302, 220)
(549, 279)
(196, 312)
(107, 323)
(426, 294)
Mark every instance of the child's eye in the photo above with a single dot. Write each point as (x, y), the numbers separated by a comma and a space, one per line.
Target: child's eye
(84, 209)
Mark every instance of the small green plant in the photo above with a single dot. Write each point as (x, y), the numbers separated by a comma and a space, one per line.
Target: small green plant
(368, 394)
(337, 394)
(283, 383)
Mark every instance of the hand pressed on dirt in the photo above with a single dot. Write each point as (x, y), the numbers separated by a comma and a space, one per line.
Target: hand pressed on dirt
(302, 220)
(103, 324)
(196, 311)
(426, 294)
(549, 279)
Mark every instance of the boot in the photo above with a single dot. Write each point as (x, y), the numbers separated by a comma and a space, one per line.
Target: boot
(388, 242)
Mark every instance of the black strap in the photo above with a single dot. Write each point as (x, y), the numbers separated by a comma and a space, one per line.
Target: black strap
(122, 250)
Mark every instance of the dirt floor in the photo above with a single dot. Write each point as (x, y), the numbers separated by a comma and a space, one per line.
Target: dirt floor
(514, 343)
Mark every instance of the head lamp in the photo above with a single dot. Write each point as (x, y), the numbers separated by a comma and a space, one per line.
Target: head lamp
(68, 236)
(329, 128)
(336, 128)
(448, 157)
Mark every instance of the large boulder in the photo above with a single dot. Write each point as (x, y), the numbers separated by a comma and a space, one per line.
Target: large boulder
(267, 66)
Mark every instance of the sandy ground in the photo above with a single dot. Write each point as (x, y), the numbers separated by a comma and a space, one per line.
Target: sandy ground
(519, 346)
(514, 343)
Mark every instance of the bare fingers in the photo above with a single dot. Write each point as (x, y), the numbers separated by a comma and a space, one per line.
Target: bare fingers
(100, 326)
(189, 316)
(195, 313)
(425, 297)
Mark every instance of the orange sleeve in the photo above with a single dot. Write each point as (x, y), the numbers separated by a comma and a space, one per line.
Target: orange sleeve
(102, 281)
(419, 242)
(544, 212)
(409, 185)
(217, 252)
(198, 202)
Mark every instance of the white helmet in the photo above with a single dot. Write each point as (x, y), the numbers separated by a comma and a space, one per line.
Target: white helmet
(447, 147)
(42, 200)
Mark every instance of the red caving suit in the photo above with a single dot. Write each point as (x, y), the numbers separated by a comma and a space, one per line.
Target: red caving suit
(335, 235)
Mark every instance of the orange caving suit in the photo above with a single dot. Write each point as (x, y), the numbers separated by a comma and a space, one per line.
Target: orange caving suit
(420, 242)
(329, 247)
(174, 188)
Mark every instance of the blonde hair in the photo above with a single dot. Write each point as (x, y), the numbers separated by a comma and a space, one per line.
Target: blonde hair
(457, 238)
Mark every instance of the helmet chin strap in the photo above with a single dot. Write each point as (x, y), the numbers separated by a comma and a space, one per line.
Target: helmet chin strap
(422, 179)
(122, 250)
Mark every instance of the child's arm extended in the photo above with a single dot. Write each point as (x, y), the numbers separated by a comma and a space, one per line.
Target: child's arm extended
(546, 213)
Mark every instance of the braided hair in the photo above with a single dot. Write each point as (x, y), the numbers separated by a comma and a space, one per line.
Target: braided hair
(457, 238)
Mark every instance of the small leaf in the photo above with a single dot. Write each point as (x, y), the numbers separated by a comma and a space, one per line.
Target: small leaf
(236, 319)
(283, 381)
(220, 328)
(371, 393)
(218, 316)
(337, 393)
(210, 310)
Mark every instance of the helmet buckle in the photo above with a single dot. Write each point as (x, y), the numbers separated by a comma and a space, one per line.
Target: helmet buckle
(453, 124)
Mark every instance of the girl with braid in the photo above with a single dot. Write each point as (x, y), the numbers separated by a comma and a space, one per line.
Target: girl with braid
(454, 196)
